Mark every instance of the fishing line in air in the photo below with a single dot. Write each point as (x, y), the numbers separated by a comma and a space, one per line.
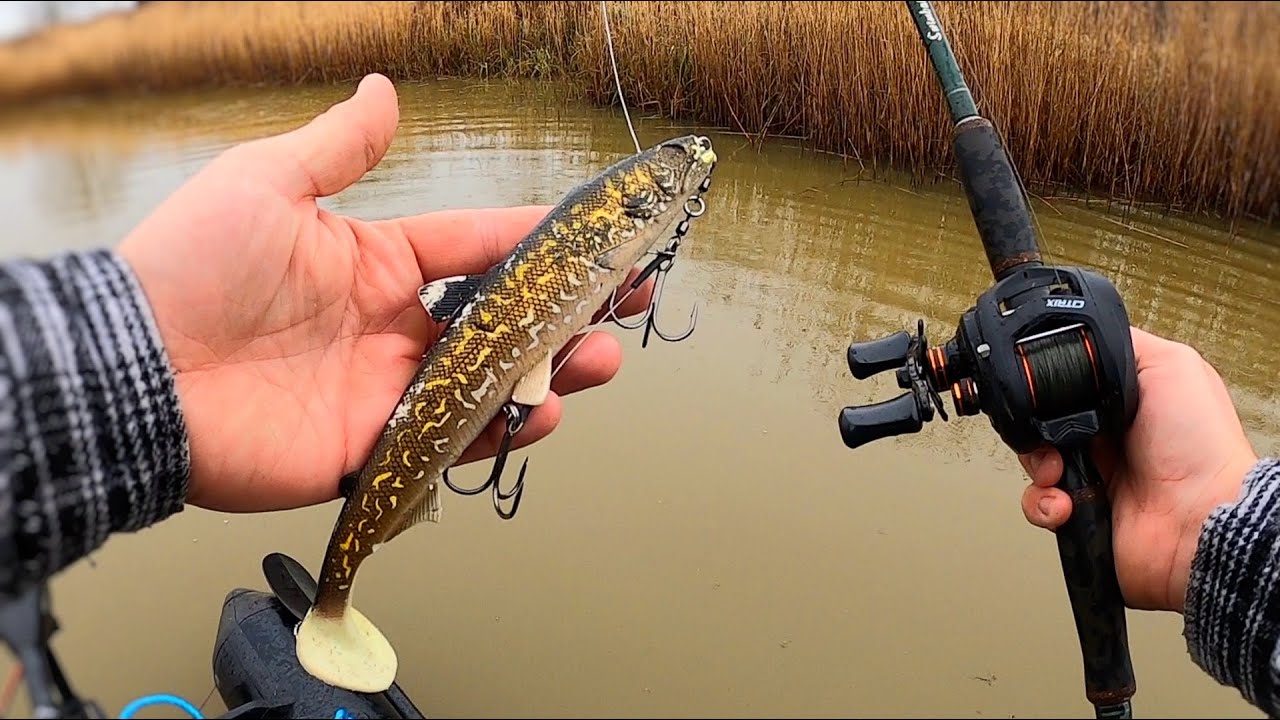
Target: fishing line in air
(617, 81)
(614, 301)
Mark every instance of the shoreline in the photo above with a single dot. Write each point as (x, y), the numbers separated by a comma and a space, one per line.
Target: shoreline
(1131, 125)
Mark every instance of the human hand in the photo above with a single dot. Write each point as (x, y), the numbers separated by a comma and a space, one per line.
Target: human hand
(1185, 454)
(294, 331)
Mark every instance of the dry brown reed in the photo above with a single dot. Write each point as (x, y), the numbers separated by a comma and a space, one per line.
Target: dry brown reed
(1161, 102)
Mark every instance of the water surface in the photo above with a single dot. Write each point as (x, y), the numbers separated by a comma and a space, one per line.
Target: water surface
(694, 539)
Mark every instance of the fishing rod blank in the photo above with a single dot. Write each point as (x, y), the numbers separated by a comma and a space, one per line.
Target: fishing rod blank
(1046, 353)
(995, 198)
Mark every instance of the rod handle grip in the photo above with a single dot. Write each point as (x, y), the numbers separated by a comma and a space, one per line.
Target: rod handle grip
(1088, 567)
(999, 209)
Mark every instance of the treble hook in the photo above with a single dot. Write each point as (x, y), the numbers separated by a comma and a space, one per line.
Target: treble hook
(516, 415)
(661, 264)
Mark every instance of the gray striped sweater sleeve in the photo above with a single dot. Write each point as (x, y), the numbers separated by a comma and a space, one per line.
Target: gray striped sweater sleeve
(1232, 613)
(92, 439)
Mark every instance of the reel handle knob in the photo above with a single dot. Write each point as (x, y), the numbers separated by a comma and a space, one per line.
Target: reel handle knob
(876, 356)
(861, 424)
(1088, 566)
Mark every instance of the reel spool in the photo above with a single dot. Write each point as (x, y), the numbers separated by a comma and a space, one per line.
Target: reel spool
(1061, 371)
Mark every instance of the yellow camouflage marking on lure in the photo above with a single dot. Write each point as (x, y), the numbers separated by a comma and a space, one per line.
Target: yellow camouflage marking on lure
(501, 326)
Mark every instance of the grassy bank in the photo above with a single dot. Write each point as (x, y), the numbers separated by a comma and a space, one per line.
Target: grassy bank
(1167, 103)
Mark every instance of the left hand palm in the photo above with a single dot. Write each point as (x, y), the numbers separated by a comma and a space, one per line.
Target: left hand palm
(294, 331)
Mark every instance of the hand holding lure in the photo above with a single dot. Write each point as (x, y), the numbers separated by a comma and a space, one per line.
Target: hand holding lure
(504, 328)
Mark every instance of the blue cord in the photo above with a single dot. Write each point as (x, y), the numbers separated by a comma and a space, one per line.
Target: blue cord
(166, 699)
(160, 699)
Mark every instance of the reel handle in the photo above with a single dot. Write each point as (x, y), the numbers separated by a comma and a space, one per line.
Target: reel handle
(1088, 566)
(862, 424)
(872, 357)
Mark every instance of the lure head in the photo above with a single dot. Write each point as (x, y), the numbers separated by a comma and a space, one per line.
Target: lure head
(659, 184)
(630, 206)
(679, 166)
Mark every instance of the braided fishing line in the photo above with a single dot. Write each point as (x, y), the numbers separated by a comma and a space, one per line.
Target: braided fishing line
(1061, 372)
(1042, 240)
(1022, 188)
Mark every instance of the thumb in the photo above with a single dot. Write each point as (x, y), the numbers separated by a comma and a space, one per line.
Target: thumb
(337, 147)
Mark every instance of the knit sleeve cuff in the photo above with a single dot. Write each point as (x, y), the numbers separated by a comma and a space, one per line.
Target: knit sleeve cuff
(1232, 611)
(92, 439)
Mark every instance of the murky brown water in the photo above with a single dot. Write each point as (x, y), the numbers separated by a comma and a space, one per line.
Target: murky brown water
(695, 539)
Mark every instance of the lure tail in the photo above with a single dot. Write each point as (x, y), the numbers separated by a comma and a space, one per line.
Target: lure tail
(336, 643)
(346, 650)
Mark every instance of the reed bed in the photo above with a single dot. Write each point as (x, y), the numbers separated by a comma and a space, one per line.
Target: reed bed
(1164, 103)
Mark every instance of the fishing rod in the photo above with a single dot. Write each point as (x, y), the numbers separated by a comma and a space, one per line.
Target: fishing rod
(1045, 353)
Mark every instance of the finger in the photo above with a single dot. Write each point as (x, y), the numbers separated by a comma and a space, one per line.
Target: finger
(542, 420)
(464, 241)
(1106, 456)
(592, 365)
(1047, 508)
(1043, 466)
(336, 148)
(596, 359)
(470, 241)
(1030, 461)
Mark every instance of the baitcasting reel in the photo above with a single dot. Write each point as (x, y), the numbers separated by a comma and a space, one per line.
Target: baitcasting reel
(1046, 354)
